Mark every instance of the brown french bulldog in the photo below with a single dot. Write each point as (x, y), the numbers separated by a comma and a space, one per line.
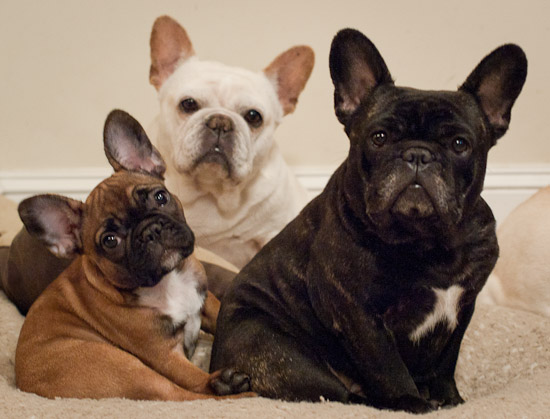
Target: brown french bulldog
(123, 318)
(366, 295)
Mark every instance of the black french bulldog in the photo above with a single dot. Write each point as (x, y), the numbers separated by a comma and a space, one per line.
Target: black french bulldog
(366, 295)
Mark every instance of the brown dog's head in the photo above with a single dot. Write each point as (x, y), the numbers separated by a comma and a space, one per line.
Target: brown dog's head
(130, 227)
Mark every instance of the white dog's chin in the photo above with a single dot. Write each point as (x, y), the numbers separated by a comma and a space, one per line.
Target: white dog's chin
(208, 162)
(210, 176)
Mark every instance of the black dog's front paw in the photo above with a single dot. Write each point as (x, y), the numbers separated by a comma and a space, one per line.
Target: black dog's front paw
(230, 381)
(414, 404)
(447, 401)
(444, 393)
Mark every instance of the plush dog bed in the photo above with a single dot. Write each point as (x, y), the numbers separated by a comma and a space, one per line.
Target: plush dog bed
(503, 371)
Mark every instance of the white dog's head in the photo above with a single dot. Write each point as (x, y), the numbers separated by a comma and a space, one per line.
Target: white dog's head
(220, 119)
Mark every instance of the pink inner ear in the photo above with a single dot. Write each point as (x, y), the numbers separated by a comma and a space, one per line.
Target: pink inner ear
(132, 159)
(170, 45)
(492, 101)
(59, 234)
(290, 72)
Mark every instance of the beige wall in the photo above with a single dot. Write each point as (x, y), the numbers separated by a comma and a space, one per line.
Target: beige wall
(66, 63)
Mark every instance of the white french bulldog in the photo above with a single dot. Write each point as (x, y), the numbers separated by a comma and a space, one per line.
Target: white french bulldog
(215, 131)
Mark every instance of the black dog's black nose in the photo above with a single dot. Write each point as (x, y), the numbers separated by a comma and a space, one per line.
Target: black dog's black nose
(418, 156)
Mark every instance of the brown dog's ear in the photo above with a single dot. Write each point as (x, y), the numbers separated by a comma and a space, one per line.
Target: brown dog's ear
(170, 45)
(356, 68)
(127, 146)
(290, 72)
(54, 220)
(496, 83)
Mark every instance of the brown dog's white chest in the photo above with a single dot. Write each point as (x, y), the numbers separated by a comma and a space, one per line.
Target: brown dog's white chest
(179, 297)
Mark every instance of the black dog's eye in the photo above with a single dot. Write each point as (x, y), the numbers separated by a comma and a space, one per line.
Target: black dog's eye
(253, 117)
(379, 138)
(110, 240)
(189, 105)
(161, 197)
(460, 145)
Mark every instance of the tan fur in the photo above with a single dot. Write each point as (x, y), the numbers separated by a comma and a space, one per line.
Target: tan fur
(521, 278)
(168, 50)
(291, 79)
(86, 337)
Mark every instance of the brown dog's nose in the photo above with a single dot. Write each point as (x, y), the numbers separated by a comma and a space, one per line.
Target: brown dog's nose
(220, 123)
(153, 231)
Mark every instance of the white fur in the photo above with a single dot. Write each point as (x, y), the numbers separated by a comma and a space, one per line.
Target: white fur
(445, 310)
(234, 217)
(521, 278)
(177, 297)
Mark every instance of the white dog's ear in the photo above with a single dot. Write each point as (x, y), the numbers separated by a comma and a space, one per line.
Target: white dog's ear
(289, 72)
(127, 146)
(170, 45)
(54, 220)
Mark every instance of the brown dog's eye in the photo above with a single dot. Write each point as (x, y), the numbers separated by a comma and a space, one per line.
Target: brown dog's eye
(110, 240)
(460, 145)
(379, 138)
(161, 197)
(253, 117)
(189, 105)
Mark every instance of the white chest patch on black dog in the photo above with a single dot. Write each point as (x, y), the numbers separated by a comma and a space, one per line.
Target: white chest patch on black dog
(177, 297)
(445, 310)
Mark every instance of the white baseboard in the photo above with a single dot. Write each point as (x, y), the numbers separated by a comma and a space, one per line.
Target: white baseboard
(505, 187)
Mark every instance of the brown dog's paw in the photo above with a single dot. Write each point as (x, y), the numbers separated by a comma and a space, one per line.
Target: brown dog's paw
(229, 382)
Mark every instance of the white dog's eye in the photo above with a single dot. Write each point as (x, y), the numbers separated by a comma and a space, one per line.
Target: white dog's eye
(189, 105)
(253, 117)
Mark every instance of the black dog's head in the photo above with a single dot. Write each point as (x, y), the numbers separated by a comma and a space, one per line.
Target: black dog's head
(417, 157)
(131, 229)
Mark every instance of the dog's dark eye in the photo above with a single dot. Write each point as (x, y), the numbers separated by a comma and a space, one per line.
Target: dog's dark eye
(253, 117)
(110, 240)
(189, 105)
(379, 138)
(460, 145)
(162, 197)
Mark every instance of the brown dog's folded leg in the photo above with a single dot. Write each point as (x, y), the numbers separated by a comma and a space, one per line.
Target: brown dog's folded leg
(219, 278)
(4, 254)
(209, 313)
(26, 268)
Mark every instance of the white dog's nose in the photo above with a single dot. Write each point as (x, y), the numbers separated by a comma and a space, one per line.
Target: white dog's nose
(220, 123)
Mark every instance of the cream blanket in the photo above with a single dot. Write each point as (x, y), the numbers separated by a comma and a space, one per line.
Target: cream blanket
(503, 371)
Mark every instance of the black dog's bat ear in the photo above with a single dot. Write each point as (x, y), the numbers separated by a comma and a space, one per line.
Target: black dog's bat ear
(356, 68)
(496, 83)
(54, 220)
(127, 146)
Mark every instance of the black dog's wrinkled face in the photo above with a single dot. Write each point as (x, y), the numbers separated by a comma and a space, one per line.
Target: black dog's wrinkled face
(417, 158)
(135, 230)
(420, 154)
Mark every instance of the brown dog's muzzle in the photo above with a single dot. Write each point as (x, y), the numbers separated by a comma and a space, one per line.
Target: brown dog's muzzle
(158, 245)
